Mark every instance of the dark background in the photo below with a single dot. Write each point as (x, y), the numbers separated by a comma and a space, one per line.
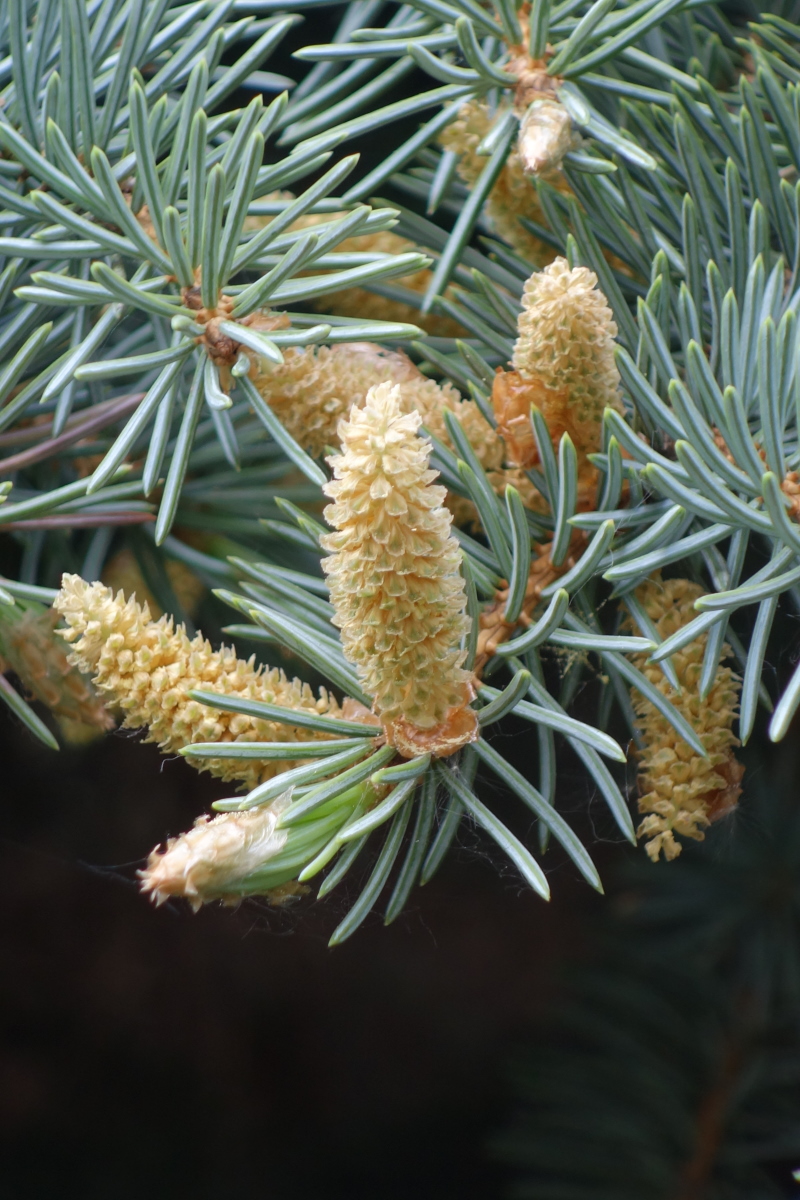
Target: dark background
(232, 1054)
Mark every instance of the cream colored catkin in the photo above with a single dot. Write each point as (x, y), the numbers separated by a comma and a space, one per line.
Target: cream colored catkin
(394, 578)
(564, 365)
(33, 650)
(148, 668)
(681, 791)
(566, 339)
(317, 386)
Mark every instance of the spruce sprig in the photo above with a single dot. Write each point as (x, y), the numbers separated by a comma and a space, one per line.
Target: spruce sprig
(147, 239)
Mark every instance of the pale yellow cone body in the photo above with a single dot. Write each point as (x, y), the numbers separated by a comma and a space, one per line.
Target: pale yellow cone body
(34, 651)
(564, 366)
(681, 791)
(394, 577)
(148, 668)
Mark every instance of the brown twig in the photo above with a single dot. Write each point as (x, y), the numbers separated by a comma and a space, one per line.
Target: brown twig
(26, 433)
(82, 520)
(710, 1126)
(111, 412)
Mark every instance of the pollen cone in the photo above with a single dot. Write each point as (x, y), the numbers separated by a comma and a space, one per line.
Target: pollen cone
(394, 577)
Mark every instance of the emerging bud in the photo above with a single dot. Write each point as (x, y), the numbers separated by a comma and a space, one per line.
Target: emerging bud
(217, 853)
(681, 791)
(514, 194)
(246, 853)
(394, 578)
(545, 136)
